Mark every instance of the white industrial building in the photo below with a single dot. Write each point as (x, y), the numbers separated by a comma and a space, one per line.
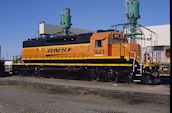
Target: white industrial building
(158, 47)
(52, 29)
(161, 38)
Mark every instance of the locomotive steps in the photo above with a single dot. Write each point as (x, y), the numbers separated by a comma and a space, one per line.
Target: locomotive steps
(130, 93)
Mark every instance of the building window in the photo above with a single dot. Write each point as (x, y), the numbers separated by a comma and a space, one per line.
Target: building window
(158, 48)
(98, 43)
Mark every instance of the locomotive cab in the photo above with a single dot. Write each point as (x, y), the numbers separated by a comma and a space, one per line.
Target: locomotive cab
(113, 44)
(123, 58)
(102, 42)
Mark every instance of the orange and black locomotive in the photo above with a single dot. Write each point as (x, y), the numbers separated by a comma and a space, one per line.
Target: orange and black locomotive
(104, 55)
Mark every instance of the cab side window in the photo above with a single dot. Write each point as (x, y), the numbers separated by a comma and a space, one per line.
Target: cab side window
(116, 35)
(98, 43)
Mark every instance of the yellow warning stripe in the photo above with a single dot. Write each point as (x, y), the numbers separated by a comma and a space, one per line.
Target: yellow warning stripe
(78, 58)
(70, 58)
(149, 65)
(71, 64)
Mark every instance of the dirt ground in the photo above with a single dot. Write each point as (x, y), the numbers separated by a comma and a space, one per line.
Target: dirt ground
(21, 95)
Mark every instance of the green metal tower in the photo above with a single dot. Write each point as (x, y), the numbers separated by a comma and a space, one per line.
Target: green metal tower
(66, 21)
(133, 16)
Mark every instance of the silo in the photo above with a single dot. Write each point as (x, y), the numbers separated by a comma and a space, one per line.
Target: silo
(66, 21)
(133, 15)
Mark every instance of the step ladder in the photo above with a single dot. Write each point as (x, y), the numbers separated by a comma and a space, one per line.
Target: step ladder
(137, 75)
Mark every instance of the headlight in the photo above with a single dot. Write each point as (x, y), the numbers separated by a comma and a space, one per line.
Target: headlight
(150, 67)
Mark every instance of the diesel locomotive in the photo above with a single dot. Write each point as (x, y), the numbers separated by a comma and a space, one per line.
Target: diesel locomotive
(104, 55)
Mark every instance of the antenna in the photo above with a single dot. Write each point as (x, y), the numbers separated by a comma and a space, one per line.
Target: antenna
(0, 52)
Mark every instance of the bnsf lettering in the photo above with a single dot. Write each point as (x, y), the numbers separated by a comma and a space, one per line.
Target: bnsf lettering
(69, 49)
(56, 50)
(63, 50)
(59, 50)
(50, 50)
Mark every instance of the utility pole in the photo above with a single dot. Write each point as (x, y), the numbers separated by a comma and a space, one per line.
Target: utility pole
(0, 52)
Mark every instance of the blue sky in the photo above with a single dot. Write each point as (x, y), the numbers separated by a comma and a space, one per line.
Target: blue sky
(19, 19)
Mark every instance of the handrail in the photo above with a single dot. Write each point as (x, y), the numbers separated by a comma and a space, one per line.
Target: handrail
(134, 60)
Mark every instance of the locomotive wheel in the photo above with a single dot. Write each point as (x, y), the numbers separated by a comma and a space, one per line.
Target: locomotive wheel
(98, 78)
(20, 73)
(155, 80)
(116, 78)
(150, 78)
(15, 72)
(146, 79)
(92, 75)
(123, 76)
(106, 78)
(37, 74)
